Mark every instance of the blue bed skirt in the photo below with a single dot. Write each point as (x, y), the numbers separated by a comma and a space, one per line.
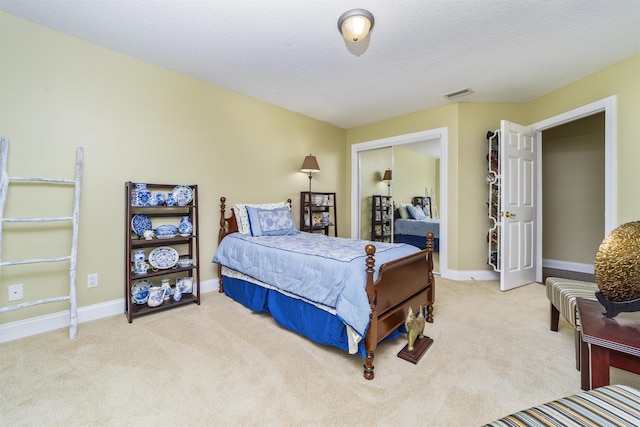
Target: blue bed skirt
(418, 241)
(306, 319)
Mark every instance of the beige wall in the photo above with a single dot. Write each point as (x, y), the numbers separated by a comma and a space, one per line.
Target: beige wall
(622, 80)
(468, 124)
(143, 123)
(140, 122)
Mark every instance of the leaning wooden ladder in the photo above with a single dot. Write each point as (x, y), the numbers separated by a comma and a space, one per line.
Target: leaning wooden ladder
(5, 179)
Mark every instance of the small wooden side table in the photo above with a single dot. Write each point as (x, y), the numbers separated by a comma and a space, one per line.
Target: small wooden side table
(606, 342)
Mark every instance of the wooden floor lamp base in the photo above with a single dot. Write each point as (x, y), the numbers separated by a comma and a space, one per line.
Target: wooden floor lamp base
(420, 347)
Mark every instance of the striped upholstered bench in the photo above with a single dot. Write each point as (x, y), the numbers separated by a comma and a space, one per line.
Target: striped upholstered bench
(613, 405)
(562, 294)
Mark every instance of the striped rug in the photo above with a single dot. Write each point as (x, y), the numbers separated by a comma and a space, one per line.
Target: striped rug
(614, 405)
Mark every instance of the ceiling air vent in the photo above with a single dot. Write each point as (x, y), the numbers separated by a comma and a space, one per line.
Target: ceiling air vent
(458, 93)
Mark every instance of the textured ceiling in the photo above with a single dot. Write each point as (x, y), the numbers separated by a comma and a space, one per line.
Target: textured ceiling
(290, 53)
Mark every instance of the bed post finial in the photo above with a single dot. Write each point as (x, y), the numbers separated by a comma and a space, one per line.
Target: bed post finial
(370, 262)
(371, 338)
(223, 208)
(221, 235)
(432, 280)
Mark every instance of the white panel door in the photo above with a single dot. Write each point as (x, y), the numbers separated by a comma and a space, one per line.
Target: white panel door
(518, 195)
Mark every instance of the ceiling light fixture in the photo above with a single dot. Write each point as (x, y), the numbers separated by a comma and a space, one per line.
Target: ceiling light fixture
(355, 25)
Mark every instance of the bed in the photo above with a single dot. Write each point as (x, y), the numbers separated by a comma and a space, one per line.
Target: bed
(354, 305)
(412, 222)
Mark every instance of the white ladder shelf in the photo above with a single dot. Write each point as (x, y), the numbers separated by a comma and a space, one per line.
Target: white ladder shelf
(5, 179)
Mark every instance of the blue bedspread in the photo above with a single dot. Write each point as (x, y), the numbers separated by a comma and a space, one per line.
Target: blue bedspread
(322, 269)
(417, 227)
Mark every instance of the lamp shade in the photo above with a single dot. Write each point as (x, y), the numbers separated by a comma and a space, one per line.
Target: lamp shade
(310, 164)
(355, 24)
(387, 175)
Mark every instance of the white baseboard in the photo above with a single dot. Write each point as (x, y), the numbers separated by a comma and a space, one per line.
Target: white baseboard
(493, 275)
(50, 322)
(470, 275)
(567, 265)
(210, 285)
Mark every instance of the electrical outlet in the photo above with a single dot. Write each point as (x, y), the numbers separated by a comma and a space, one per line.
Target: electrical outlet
(92, 280)
(15, 292)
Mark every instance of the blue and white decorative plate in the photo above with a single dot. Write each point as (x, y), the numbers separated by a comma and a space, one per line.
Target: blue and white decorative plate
(140, 291)
(162, 231)
(140, 223)
(163, 257)
(184, 192)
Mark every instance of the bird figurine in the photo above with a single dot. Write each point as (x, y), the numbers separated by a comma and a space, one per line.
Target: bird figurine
(415, 327)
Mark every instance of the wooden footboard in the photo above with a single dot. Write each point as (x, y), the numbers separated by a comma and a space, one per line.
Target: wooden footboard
(402, 283)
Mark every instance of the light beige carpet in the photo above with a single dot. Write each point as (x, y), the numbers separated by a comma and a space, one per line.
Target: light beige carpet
(220, 364)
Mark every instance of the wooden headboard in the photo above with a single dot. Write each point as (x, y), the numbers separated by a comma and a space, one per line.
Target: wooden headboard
(227, 225)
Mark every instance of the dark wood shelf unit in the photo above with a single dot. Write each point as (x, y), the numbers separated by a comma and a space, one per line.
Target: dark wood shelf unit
(381, 218)
(139, 243)
(187, 247)
(318, 212)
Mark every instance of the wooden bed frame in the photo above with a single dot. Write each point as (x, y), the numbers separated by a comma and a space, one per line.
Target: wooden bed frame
(402, 283)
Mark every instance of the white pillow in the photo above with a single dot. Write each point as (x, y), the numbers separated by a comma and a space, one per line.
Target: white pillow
(242, 217)
(402, 209)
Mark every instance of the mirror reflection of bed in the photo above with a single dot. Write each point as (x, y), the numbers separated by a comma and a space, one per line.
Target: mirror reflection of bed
(412, 222)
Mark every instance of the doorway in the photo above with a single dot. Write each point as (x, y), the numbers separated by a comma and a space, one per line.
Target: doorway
(606, 111)
(573, 171)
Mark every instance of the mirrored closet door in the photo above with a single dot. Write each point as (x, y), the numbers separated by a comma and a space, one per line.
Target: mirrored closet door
(411, 165)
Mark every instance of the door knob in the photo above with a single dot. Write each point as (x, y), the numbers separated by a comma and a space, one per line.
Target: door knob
(508, 214)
